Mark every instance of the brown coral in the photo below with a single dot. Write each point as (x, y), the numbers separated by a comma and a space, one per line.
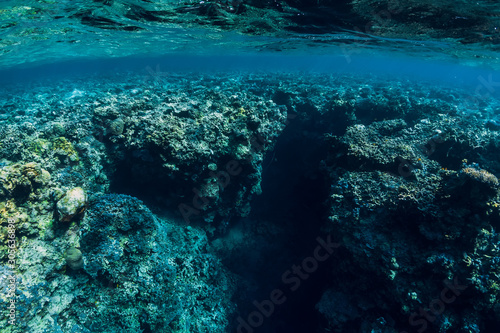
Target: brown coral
(482, 176)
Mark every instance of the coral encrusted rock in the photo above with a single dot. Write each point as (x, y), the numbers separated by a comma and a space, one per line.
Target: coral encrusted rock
(72, 204)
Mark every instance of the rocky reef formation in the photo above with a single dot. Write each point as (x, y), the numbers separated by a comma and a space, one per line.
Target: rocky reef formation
(159, 204)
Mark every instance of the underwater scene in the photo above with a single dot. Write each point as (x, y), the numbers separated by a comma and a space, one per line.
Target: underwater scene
(249, 166)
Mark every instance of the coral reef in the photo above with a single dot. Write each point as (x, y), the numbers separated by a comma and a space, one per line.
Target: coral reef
(136, 205)
(411, 223)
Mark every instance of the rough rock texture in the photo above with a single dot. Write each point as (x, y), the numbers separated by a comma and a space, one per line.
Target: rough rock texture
(139, 273)
(74, 258)
(72, 204)
(410, 172)
(412, 225)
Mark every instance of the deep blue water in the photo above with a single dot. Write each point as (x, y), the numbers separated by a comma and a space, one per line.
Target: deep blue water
(384, 64)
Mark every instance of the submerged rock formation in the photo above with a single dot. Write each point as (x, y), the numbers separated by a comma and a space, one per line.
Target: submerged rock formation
(210, 186)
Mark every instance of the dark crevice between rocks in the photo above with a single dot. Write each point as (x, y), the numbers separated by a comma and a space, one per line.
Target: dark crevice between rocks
(291, 209)
(146, 328)
(141, 175)
(294, 193)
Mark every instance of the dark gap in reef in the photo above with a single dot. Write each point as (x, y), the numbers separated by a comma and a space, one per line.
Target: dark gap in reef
(140, 174)
(294, 192)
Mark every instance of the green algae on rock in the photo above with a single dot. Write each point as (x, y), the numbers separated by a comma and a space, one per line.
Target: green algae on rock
(65, 150)
(74, 258)
(19, 181)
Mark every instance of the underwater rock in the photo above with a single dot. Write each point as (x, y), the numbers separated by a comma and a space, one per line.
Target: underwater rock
(160, 275)
(74, 258)
(35, 173)
(201, 142)
(472, 186)
(481, 176)
(396, 223)
(72, 204)
(65, 150)
(116, 126)
(493, 124)
(337, 307)
(19, 180)
(58, 129)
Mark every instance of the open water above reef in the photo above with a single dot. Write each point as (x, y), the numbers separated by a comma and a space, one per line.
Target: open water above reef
(212, 167)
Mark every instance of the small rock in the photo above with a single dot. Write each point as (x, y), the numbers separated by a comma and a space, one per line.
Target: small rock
(116, 126)
(58, 129)
(72, 204)
(74, 258)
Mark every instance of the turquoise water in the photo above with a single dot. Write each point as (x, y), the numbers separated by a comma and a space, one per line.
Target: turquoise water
(249, 166)
(384, 64)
